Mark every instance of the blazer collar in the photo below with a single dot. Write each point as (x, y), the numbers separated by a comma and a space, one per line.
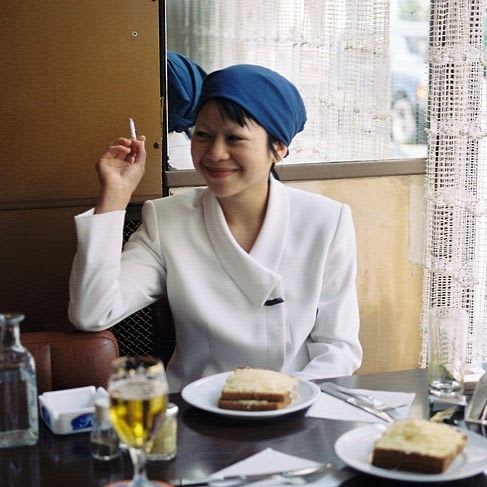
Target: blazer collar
(255, 273)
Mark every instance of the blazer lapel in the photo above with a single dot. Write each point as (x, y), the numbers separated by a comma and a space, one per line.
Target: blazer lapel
(269, 246)
(255, 273)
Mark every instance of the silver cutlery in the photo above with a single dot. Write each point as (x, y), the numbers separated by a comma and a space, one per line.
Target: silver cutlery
(367, 399)
(300, 476)
(333, 390)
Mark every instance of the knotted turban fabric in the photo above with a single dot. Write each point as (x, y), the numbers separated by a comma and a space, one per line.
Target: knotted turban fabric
(184, 81)
(272, 100)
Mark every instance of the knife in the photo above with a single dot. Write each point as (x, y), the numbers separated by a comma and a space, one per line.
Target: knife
(236, 480)
(362, 397)
(332, 389)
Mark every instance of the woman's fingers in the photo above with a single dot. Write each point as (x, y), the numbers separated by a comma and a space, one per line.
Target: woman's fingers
(132, 149)
(127, 150)
(118, 149)
(122, 141)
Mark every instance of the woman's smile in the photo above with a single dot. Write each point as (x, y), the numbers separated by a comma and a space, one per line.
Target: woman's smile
(219, 172)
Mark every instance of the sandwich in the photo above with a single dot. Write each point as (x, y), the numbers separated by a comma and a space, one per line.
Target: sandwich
(250, 389)
(418, 446)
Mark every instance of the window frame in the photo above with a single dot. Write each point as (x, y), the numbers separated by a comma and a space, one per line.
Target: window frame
(316, 171)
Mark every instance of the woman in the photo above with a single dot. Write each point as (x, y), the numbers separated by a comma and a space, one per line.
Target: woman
(256, 273)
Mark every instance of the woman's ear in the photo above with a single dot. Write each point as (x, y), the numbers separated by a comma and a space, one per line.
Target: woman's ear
(281, 150)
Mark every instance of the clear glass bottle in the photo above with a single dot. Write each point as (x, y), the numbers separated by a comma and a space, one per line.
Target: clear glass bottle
(105, 443)
(18, 389)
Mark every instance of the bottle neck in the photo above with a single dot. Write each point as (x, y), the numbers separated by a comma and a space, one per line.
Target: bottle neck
(10, 330)
(10, 336)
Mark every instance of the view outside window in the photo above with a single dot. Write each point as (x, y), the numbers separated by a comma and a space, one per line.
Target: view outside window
(409, 28)
(360, 65)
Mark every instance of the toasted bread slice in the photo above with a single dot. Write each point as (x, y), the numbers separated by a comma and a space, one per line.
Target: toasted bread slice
(418, 446)
(250, 405)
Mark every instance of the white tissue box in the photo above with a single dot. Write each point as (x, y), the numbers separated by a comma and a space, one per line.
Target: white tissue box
(70, 410)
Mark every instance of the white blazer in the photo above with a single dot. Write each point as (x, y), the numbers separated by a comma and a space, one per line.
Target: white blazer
(290, 304)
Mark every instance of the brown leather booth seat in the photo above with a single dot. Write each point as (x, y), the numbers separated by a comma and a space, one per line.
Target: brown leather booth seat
(71, 359)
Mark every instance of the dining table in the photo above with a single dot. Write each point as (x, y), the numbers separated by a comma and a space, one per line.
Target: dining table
(208, 442)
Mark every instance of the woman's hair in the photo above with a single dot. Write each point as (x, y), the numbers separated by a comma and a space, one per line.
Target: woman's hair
(234, 112)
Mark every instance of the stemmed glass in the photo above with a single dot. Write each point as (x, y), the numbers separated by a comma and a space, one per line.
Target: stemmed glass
(138, 400)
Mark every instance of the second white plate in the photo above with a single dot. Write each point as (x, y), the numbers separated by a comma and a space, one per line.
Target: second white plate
(204, 393)
(355, 449)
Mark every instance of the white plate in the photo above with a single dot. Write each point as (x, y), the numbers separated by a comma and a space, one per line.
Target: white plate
(355, 449)
(204, 393)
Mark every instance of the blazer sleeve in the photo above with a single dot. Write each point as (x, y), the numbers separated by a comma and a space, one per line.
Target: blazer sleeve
(333, 346)
(106, 284)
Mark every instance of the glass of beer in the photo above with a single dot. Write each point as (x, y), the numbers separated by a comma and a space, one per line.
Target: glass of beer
(138, 399)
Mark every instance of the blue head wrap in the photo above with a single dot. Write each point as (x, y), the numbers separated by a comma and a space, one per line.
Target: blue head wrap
(272, 100)
(184, 80)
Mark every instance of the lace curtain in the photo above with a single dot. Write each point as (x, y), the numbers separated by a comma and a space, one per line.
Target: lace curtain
(456, 179)
(335, 51)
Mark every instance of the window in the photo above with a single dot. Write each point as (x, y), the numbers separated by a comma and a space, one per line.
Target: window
(360, 66)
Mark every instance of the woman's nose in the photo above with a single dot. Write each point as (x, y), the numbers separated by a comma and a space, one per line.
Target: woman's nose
(217, 150)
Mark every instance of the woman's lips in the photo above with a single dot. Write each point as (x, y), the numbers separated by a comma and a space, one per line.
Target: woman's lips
(219, 172)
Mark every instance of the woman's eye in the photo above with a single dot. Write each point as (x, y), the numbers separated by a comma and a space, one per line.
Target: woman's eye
(201, 134)
(234, 138)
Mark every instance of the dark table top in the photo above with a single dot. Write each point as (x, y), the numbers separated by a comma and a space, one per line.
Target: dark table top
(209, 442)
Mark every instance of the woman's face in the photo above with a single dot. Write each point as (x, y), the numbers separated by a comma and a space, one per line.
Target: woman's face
(233, 160)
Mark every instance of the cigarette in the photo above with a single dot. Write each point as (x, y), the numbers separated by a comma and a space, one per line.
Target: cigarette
(133, 131)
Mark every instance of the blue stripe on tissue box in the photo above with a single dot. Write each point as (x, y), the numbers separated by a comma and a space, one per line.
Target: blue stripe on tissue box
(82, 422)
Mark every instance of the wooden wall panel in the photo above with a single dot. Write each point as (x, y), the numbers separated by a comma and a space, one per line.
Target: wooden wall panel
(72, 75)
(37, 250)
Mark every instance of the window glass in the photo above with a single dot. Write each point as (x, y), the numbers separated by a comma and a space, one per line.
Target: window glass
(361, 66)
(408, 48)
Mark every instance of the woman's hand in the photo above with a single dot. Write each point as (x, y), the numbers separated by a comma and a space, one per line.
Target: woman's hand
(120, 170)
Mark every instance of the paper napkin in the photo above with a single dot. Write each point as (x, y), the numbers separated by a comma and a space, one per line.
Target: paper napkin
(330, 407)
(272, 460)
